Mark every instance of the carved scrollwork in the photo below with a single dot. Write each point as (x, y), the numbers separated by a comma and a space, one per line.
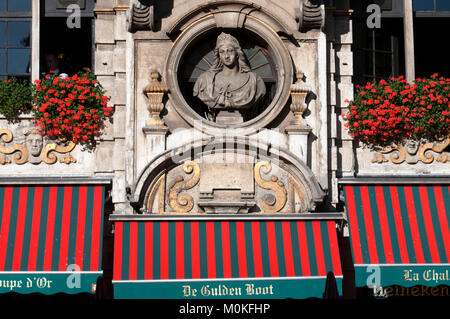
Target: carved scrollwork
(50, 158)
(141, 16)
(414, 151)
(21, 152)
(428, 157)
(398, 155)
(270, 203)
(183, 203)
(31, 148)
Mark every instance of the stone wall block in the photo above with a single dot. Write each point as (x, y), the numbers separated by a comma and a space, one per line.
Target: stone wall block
(104, 60)
(119, 63)
(104, 28)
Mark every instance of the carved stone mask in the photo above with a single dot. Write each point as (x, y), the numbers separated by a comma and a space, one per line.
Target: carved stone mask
(34, 142)
(412, 147)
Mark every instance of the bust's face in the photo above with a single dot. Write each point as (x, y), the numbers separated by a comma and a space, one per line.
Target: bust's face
(34, 144)
(412, 146)
(227, 54)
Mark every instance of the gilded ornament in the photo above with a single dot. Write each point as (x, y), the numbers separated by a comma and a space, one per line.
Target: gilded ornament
(296, 189)
(272, 204)
(157, 190)
(183, 203)
(47, 153)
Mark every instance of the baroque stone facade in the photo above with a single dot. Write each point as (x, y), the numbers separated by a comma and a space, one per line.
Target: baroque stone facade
(149, 56)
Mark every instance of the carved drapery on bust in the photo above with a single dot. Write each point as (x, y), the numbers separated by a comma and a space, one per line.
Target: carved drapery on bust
(229, 85)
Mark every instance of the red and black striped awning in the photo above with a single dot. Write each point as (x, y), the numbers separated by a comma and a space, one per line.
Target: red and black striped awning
(402, 231)
(156, 259)
(49, 233)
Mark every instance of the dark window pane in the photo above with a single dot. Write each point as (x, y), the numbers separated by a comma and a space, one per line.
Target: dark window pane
(2, 5)
(19, 5)
(18, 60)
(18, 34)
(443, 5)
(423, 5)
(2, 34)
(2, 61)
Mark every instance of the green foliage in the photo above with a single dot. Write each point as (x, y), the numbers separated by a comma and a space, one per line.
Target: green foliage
(15, 98)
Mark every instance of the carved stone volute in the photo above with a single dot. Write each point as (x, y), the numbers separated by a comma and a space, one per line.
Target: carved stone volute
(310, 15)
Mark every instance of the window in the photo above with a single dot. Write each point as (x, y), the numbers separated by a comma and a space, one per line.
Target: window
(431, 6)
(15, 38)
(377, 52)
(70, 48)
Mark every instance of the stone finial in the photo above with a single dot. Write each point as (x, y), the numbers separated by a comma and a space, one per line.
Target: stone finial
(155, 92)
(299, 92)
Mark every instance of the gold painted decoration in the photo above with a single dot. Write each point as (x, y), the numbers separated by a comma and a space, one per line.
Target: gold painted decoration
(414, 151)
(21, 153)
(4, 160)
(47, 153)
(67, 159)
(183, 203)
(157, 191)
(31, 148)
(398, 155)
(269, 203)
(428, 157)
(296, 189)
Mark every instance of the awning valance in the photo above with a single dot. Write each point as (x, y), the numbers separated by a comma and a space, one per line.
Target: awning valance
(399, 234)
(50, 238)
(221, 259)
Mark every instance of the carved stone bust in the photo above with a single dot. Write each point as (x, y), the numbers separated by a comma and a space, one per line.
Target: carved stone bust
(229, 87)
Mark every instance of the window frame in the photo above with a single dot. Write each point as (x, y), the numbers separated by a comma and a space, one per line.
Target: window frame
(17, 16)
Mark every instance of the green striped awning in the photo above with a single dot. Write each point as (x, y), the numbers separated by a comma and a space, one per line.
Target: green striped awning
(399, 234)
(50, 238)
(224, 259)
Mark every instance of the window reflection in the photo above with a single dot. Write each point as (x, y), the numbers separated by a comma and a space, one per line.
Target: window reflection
(18, 34)
(423, 5)
(19, 5)
(443, 5)
(18, 61)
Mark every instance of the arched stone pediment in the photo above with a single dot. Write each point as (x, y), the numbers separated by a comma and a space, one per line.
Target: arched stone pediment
(226, 176)
(233, 13)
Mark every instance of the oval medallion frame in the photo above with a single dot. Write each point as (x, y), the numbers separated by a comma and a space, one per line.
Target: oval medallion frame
(283, 64)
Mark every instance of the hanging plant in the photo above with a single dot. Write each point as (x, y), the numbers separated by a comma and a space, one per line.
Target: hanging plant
(15, 98)
(71, 108)
(392, 111)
